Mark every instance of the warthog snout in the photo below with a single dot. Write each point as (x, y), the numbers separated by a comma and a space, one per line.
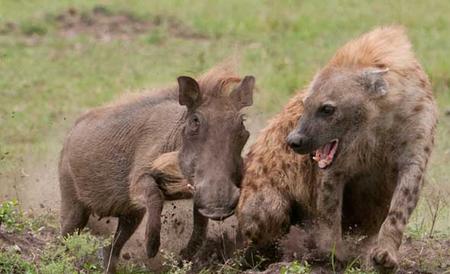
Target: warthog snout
(216, 203)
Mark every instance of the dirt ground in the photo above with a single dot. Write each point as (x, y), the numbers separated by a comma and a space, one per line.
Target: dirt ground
(416, 256)
(38, 192)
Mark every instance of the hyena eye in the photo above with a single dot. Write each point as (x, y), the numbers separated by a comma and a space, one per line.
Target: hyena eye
(327, 110)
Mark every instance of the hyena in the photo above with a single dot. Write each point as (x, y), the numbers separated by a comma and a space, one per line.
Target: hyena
(348, 152)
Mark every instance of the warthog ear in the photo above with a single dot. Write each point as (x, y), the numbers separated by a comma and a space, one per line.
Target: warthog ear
(373, 82)
(189, 92)
(242, 95)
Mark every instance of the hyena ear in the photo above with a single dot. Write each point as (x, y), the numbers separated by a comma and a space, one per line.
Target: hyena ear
(189, 92)
(373, 81)
(242, 95)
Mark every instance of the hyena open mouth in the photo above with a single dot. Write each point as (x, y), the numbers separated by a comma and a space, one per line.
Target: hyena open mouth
(324, 156)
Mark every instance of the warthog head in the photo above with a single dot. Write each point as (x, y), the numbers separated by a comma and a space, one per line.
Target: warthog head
(338, 105)
(213, 138)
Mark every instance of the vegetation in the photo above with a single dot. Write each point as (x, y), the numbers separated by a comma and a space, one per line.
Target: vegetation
(296, 268)
(10, 215)
(59, 58)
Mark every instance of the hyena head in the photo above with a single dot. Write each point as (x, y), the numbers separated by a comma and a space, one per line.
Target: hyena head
(339, 103)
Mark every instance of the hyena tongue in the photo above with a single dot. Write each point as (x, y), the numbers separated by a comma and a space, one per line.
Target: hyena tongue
(324, 155)
(323, 163)
(321, 156)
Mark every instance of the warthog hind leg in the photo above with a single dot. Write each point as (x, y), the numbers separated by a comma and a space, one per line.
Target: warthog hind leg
(126, 227)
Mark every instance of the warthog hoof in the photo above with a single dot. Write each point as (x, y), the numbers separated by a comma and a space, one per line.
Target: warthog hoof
(187, 253)
(109, 260)
(153, 246)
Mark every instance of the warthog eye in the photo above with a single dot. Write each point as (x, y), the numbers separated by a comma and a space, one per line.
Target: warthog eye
(327, 110)
(194, 124)
(195, 120)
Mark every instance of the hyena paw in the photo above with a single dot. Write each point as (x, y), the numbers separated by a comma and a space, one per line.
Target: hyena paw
(384, 259)
(152, 246)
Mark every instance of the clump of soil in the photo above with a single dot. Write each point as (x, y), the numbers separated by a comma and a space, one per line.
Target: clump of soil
(428, 255)
(221, 253)
(214, 253)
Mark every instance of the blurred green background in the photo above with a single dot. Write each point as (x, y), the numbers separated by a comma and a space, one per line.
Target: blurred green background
(59, 58)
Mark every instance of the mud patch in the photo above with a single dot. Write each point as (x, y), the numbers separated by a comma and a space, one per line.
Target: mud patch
(102, 24)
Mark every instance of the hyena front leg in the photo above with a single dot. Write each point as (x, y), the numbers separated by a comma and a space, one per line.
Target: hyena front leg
(263, 215)
(404, 201)
(329, 207)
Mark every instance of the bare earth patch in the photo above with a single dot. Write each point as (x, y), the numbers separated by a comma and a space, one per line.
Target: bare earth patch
(102, 24)
(427, 255)
(106, 25)
(417, 256)
(29, 244)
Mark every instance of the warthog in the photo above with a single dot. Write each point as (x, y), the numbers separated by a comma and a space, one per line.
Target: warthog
(107, 162)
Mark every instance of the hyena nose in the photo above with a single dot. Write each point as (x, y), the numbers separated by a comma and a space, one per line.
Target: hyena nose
(295, 140)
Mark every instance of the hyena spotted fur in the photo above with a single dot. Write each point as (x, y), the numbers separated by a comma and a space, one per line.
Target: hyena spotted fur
(350, 151)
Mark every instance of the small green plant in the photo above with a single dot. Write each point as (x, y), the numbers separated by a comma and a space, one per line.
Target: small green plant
(33, 28)
(37, 222)
(416, 228)
(62, 265)
(296, 268)
(11, 262)
(357, 270)
(333, 258)
(156, 36)
(75, 253)
(11, 217)
(173, 265)
(131, 268)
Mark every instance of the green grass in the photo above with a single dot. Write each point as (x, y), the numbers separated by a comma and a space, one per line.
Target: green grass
(76, 254)
(47, 80)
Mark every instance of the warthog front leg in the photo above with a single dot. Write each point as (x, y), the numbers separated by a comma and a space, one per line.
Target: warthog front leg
(329, 206)
(146, 194)
(198, 235)
(155, 201)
